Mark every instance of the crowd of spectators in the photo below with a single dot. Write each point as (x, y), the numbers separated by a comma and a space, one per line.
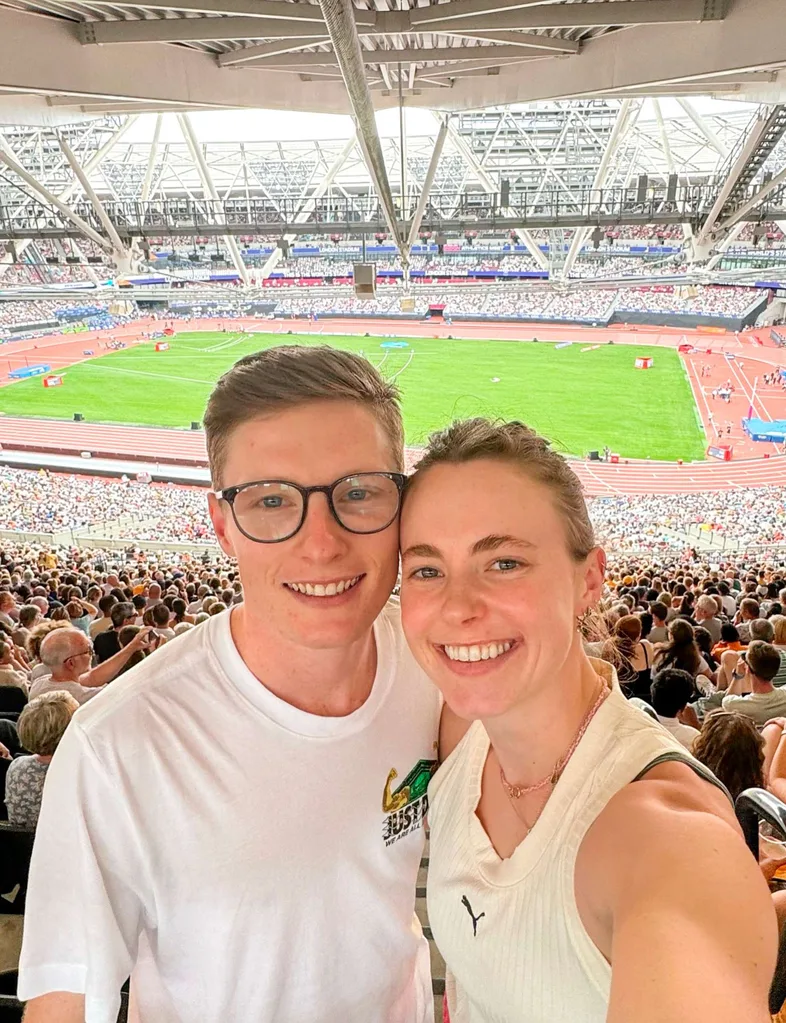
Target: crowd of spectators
(45, 502)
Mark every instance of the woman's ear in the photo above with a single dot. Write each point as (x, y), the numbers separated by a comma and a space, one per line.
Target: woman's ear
(593, 574)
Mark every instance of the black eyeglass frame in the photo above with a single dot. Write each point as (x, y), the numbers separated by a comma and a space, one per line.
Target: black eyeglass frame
(229, 494)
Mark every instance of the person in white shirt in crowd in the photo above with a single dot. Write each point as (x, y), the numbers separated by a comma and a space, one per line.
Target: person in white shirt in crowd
(154, 595)
(748, 612)
(671, 692)
(68, 653)
(729, 603)
(253, 795)
(9, 612)
(41, 726)
(566, 824)
(161, 619)
(706, 616)
(12, 671)
(761, 663)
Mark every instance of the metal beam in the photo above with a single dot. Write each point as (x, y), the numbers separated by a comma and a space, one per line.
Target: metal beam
(340, 21)
(622, 125)
(428, 182)
(209, 188)
(754, 201)
(704, 127)
(526, 40)
(687, 230)
(195, 30)
(7, 156)
(151, 161)
(120, 252)
(469, 55)
(545, 15)
(243, 8)
(235, 58)
(725, 245)
(307, 202)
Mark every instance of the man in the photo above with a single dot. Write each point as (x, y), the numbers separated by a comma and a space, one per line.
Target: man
(67, 653)
(671, 692)
(705, 614)
(107, 643)
(761, 662)
(8, 610)
(104, 622)
(154, 595)
(749, 612)
(252, 796)
(729, 603)
(658, 633)
(161, 617)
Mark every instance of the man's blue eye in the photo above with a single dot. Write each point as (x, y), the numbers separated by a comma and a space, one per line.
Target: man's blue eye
(271, 502)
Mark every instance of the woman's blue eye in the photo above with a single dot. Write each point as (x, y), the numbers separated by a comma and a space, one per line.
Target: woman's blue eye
(425, 573)
(356, 495)
(507, 564)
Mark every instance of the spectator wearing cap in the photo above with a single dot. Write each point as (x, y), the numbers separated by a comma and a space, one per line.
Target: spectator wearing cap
(761, 664)
(671, 691)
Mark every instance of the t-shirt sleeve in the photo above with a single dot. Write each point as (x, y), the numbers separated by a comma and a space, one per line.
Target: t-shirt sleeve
(85, 896)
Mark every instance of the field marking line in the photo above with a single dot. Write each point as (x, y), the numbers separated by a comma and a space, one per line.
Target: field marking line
(156, 376)
(698, 389)
(406, 364)
(227, 343)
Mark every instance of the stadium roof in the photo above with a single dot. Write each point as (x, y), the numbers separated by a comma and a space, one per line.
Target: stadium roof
(60, 58)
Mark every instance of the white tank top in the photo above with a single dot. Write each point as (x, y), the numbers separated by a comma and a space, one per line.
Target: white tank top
(510, 932)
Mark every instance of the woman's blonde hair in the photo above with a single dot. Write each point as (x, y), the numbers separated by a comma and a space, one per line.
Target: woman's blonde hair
(43, 722)
(38, 633)
(470, 439)
(779, 628)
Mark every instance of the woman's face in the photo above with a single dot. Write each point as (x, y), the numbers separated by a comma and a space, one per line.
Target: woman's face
(490, 592)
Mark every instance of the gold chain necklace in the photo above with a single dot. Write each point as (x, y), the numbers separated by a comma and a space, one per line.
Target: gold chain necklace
(517, 791)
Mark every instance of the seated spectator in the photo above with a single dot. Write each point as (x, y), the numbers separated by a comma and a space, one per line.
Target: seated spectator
(107, 643)
(761, 662)
(758, 629)
(681, 651)
(104, 620)
(749, 612)
(29, 617)
(671, 691)
(41, 726)
(704, 643)
(8, 610)
(659, 633)
(12, 672)
(778, 623)
(730, 640)
(68, 654)
(706, 616)
(631, 656)
(730, 745)
(161, 616)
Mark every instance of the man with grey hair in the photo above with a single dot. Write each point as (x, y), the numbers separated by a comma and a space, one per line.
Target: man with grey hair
(705, 614)
(68, 654)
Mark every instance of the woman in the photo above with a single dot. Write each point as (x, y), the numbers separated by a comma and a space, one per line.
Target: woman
(632, 656)
(41, 726)
(550, 873)
(731, 746)
(730, 640)
(681, 651)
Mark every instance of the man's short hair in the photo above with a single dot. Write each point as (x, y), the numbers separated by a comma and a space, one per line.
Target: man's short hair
(763, 629)
(659, 611)
(671, 691)
(106, 603)
(121, 612)
(28, 614)
(43, 721)
(763, 660)
(161, 615)
(750, 607)
(283, 377)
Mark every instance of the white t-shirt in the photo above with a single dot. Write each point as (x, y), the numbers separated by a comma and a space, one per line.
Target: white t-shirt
(250, 863)
(684, 734)
(46, 684)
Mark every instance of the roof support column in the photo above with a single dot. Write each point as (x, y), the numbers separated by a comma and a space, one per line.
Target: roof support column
(209, 188)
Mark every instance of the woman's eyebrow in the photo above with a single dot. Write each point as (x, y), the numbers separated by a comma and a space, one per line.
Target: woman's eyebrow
(420, 550)
(494, 541)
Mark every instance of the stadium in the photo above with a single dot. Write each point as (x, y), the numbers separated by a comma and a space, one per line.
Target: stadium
(569, 214)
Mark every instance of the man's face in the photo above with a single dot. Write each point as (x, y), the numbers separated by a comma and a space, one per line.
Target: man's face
(311, 445)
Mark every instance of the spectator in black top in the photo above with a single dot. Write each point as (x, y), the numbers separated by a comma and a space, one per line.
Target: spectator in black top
(107, 644)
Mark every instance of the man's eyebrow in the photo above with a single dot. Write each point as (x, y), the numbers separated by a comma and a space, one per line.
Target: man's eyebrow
(494, 541)
(421, 550)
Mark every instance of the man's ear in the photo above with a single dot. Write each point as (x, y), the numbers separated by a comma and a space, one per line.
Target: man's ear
(220, 514)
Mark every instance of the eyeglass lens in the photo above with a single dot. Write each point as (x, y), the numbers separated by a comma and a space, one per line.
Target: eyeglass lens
(364, 503)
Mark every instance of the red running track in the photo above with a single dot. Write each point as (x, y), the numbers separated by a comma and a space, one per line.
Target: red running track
(188, 448)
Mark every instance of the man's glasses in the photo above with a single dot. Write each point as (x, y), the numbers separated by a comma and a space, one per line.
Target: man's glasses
(268, 511)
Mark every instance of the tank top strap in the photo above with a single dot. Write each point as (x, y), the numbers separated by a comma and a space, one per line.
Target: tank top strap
(674, 756)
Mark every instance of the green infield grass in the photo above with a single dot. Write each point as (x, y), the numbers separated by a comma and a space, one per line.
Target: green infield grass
(579, 399)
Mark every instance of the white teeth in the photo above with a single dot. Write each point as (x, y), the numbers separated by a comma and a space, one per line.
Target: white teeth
(324, 589)
(477, 653)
